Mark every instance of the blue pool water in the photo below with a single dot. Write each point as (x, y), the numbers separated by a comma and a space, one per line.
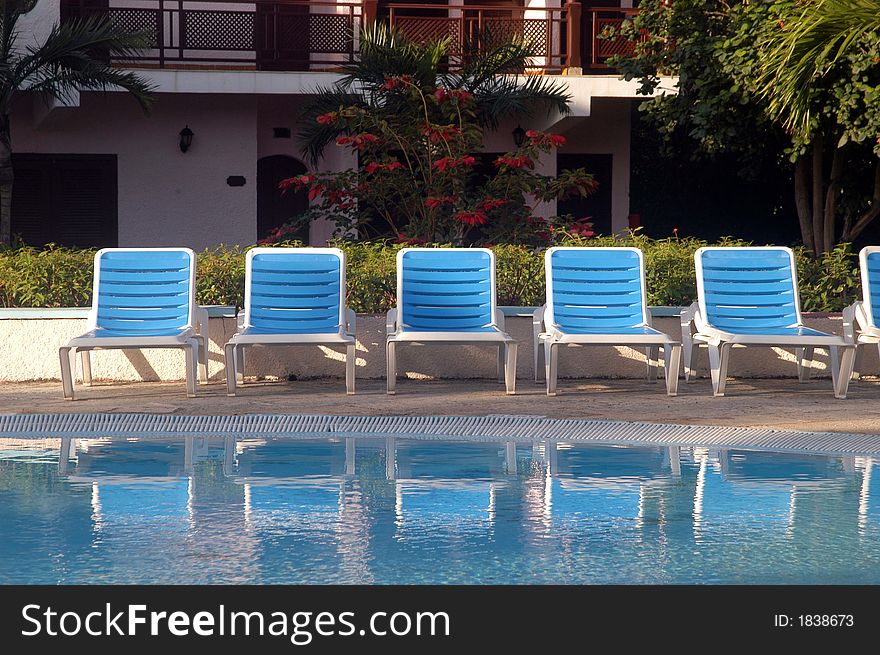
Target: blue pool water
(430, 511)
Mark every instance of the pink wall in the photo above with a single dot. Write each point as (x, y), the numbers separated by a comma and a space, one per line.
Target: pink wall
(165, 196)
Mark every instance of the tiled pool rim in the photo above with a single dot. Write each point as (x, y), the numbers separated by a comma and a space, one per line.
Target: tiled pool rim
(492, 427)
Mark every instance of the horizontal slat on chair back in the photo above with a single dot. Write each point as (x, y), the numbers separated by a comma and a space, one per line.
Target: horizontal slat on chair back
(295, 292)
(144, 292)
(872, 288)
(596, 288)
(444, 290)
(748, 288)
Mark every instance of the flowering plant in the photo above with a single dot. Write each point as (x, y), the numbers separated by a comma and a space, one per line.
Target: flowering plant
(420, 175)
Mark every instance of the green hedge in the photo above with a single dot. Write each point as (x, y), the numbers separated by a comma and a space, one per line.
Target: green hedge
(62, 277)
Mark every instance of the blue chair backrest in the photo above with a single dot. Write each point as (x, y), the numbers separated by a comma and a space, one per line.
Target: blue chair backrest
(446, 289)
(747, 288)
(295, 290)
(147, 292)
(595, 288)
(870, 265)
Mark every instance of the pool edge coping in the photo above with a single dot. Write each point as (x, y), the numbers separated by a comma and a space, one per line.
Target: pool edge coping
(492, 427)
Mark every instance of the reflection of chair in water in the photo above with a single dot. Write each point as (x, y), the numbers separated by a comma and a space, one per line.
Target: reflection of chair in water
(774, 489)
(604, 482)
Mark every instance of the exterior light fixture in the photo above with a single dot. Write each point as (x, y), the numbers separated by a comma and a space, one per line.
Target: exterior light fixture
(186, 138)
(519, 136)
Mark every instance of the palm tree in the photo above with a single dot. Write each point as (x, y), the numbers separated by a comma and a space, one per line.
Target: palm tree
(798, 65)
(74, 56)
(802, 54)
(489, 70)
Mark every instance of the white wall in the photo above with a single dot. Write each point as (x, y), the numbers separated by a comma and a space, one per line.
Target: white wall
(35, 25)
(165, 196)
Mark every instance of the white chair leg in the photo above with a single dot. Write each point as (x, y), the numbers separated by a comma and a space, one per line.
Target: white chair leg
(391, 367)
(502, 355)
(510, 368)
(551, 366)
(691, 354)
(539, 360)
(239, 364)
(203, 358)
(68, 371)
(672, 362)
(652, 353)
(86, 361)
(231, 361)
(350, 361)
(718, 359)
(847, 362)
(804, 358)
(834, 363)
(191, 352)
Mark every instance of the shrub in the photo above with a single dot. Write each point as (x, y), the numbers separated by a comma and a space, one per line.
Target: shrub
(62, 277)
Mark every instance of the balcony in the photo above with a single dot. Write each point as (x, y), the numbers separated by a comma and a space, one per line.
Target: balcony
(316, 35)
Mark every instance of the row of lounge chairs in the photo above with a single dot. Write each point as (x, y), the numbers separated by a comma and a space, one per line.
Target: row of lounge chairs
(145, 298)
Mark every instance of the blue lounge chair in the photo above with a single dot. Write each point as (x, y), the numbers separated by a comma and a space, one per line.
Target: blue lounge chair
(860, 320)
(596, 296)
(447, 295)
(143, 298)
(748, 297)
(293, 296)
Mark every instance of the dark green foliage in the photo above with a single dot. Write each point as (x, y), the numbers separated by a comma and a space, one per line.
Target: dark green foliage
(62, 277)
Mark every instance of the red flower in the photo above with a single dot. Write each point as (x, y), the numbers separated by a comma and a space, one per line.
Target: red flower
(358, 142)
(314, 192)
(467, 160)
(542, 138)
(522, 161)
(472, 217)
(449, 162)
(402, 238)
(440, 95)
(374, 167)
(444, 133)
(396, 82)
(583, 228)
(442, 163)
(492, 203)
(461, 95)
(327, 119)
(295, 182)
(432, 202)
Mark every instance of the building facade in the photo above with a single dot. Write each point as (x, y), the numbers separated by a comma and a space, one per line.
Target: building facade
(97, 171)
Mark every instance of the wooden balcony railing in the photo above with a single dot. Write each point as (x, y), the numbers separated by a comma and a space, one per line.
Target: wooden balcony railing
(600, 21)
(261, 34)
(546, 29)
(323, 34)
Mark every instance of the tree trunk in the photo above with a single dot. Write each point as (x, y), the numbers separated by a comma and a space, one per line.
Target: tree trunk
(802, 201)
(819, 244)
(7, 177)
(831, 194)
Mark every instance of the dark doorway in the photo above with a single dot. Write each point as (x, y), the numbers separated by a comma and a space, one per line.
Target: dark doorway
(274, 209)
(70, 200)
(283, 34)
(598, 205)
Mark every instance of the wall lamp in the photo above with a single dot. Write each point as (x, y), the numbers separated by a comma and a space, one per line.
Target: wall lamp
(519, 136)
(186, 138)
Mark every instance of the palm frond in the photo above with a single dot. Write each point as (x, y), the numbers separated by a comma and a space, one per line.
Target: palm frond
(313, 137)
(76, 55)
(508, 96)
(798, 57)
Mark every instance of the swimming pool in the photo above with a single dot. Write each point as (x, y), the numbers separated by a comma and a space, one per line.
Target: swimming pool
(427, 510)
